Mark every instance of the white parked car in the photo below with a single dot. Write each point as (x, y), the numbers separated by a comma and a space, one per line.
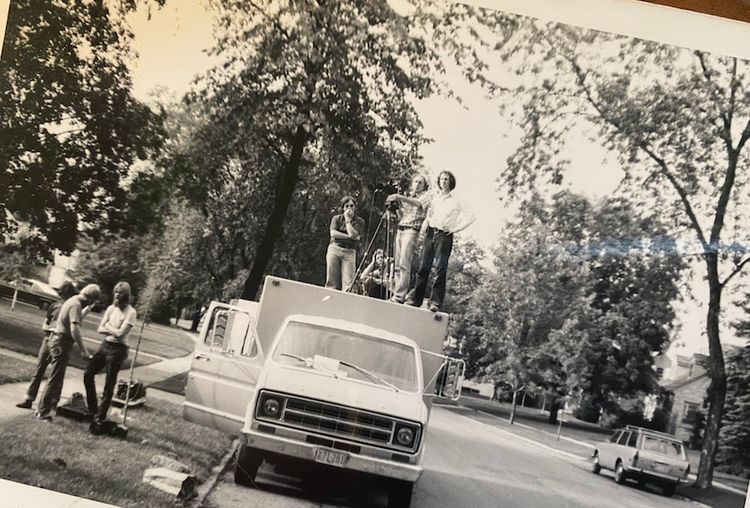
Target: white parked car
(645, 455)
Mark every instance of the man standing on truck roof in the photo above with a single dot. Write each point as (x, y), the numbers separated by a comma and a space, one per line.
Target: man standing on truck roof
(341, 257)
(446, 217)
(413, 211)
(67, 330)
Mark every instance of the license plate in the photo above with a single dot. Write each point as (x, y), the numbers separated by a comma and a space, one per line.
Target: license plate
(331, 457)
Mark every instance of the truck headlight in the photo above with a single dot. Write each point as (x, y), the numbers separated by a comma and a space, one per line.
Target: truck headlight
(271, 407)
(405, 436)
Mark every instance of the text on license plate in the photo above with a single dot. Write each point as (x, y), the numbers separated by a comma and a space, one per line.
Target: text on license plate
(331, 457)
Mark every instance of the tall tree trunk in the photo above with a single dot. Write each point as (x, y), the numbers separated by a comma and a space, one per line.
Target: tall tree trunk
(717, 390)
(513, 407)
(553, 407)
(287, 183)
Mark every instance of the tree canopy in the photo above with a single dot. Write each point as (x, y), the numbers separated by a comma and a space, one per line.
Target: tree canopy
(69, 125)
(677, 121)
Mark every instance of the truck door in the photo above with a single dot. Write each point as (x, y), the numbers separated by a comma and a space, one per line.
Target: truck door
(225, 368)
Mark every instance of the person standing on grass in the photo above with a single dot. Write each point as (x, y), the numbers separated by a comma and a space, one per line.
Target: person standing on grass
(118, 320)
(66, 291)
(67, 331)
(446, 217)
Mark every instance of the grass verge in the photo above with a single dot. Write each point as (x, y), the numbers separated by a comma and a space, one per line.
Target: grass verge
(61, 455)
(14, 370)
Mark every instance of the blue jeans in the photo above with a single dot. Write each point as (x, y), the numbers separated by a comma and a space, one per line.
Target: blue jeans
(437, 244)
(110, 356)
(406, 243)
(59, 351)
(340, 267)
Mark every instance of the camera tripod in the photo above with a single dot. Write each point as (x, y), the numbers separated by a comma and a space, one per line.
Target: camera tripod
(385, 218)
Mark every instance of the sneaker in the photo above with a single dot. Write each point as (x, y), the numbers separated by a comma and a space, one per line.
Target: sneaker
(26, 404)
(46, 418)
(434, 307)
(396, 299)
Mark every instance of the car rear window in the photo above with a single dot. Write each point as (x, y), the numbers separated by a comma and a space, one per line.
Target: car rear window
(663, 446)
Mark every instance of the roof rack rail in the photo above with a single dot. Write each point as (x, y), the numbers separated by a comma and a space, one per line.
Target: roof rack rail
(651, 431)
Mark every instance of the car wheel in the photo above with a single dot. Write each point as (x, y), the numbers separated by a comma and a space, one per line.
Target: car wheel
(248, 462)
(668, 489)
(595, 466)
(400, 494)
(620, 474)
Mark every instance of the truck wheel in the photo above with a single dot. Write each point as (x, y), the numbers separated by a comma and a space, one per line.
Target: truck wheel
(246, 467)
(595, 466)
(620, 474)
(668, 489)
(400, 494)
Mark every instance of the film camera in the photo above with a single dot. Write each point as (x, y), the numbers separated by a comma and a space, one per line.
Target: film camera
(382, 190)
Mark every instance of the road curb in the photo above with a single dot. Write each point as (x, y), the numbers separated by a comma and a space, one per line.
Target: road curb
(206, 487)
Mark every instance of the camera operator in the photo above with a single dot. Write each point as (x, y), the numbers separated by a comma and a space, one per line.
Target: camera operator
(413, 211)
(346, 229)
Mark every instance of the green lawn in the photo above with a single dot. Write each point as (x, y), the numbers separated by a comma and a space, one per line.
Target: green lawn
(13, 370)
(61, 455)
(20, 330)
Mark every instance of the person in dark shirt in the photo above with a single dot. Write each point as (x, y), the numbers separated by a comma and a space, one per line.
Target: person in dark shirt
(346, 230)
(66, 291)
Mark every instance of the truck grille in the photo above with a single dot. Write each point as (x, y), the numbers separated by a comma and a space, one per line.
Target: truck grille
(338, 421)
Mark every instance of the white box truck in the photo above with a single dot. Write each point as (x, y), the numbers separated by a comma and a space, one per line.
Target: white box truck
(336, 379)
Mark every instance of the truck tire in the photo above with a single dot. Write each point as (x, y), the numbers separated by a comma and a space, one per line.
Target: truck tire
(399, 495)
(620, 474)
(246, 467)
(668, 489)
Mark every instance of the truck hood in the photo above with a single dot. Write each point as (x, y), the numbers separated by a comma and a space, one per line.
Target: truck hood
(322, 386)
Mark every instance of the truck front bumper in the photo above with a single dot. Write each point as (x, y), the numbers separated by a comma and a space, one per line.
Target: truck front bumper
(305, 451)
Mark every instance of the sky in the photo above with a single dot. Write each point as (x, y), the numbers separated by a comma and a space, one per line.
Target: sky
(473, 140)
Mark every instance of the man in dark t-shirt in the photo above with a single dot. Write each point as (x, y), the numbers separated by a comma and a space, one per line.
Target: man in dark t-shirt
(346, 230)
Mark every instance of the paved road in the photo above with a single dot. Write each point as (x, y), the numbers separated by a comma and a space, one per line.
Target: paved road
(468, 463)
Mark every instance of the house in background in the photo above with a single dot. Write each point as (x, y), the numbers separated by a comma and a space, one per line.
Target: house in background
(688, 386)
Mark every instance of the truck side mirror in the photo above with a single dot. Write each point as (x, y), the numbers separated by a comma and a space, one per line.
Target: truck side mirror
(451, 378)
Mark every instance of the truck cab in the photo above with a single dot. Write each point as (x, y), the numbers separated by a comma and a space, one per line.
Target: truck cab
(317, 375)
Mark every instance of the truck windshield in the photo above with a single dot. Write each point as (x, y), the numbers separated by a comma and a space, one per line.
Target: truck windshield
(393, 362)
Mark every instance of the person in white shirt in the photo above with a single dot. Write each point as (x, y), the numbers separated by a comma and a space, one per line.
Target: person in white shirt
(446, 217)
(118, 320)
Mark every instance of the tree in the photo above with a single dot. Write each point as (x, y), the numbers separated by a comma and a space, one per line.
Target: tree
(634, 283)
(69, 125)
(312, 100)
(539, 288)
(109, 261)
(678, 122)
